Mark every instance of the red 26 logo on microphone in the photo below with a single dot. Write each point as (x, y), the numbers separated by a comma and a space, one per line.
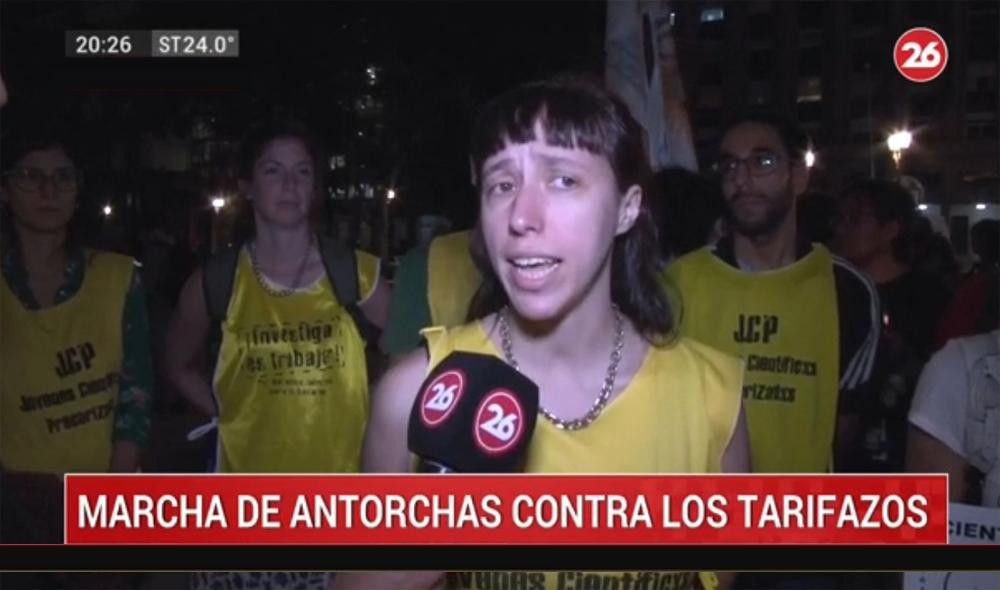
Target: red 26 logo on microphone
(499, 422)
(441, 397)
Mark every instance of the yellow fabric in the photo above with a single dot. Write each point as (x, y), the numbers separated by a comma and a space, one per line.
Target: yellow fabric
(59, 373)
(368, 273)
(675, 416)
(290, 380)
(784, 324)
(452, 279)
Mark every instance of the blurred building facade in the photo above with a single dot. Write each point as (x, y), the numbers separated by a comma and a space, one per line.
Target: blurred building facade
(830, 64)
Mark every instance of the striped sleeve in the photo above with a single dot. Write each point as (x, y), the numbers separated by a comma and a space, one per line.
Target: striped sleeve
(860, 324)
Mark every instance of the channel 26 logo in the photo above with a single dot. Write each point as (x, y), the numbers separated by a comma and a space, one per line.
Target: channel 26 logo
(920, 54)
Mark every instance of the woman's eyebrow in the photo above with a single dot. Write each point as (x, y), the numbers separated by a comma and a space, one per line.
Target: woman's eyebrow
(498, 165)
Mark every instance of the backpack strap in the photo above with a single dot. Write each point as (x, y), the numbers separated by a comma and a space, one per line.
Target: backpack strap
(217, 278)
(341, 268)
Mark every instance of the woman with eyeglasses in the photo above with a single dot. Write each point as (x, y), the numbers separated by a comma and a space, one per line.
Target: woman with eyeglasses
(75, 370)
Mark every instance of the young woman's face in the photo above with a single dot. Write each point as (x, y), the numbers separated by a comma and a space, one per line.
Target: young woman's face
(549, 216)
(283, 183)
(41, 190)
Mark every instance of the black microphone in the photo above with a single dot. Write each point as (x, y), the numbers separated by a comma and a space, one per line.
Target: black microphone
(474, 414)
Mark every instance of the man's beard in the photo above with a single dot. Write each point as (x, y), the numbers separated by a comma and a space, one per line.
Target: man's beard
(775, 213)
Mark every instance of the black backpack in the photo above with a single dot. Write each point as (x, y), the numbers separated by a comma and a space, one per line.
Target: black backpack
(341, 268)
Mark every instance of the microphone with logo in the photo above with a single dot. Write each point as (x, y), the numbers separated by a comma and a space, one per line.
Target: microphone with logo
(474, 414)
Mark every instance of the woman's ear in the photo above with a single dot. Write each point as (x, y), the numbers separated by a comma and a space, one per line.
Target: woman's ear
(628, 209)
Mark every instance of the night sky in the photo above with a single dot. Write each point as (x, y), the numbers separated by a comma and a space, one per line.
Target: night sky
(438, 60)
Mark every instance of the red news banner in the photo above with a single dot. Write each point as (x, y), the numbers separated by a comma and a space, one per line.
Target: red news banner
(505, 509)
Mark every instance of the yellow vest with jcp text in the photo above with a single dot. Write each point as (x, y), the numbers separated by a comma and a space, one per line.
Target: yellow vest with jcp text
(676, 415)
(784, 324)
(452, 279)
(59, 372)
(290, 381)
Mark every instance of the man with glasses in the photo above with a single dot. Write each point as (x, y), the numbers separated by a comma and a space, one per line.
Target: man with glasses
(805, 323)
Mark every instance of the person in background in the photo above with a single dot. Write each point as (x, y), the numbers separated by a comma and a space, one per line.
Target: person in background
(434, 285)
(289, 390)
(805, 321)
(75, 369)
(688, 208)
(551, 158)
(955, 419)
(974, 307)
(876, 234)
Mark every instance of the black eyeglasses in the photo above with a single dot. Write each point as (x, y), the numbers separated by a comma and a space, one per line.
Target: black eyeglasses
(758, 164)
(31, 179)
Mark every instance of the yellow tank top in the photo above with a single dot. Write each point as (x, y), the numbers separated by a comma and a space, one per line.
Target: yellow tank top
(783, 323)
(290, 381)
(59, 371)
(679, 411)
(452, 279)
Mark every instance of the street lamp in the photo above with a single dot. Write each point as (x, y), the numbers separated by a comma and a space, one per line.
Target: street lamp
(390, 195)
(810, 158)
(899, 141)
(218, 203)
(106, 210)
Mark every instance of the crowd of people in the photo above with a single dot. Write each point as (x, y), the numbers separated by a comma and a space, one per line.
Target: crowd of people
(730, 321)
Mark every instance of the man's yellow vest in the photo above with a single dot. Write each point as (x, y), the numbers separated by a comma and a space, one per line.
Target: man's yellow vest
(784, 324)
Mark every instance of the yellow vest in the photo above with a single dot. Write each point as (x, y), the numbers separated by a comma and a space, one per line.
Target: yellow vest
(679, 412)
(783, 323)
(59, 371)
(290, 380)
(452, 279)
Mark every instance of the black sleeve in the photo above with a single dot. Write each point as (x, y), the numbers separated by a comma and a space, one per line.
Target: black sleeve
(859, 317)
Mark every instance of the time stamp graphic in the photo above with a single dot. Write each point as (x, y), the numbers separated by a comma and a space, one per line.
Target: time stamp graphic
(157, 43)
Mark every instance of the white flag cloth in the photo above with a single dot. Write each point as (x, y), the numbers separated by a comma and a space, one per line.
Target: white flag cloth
(641, 67)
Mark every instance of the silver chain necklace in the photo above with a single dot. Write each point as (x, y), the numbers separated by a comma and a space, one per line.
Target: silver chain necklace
(265, 284)
(609, 379)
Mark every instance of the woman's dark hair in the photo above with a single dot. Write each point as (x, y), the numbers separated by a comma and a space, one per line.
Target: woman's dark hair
(13, 149)
(579, 114)
(891, 202)
(252, 147)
